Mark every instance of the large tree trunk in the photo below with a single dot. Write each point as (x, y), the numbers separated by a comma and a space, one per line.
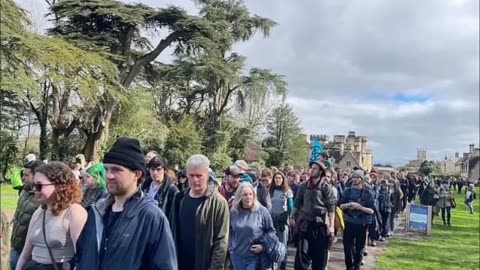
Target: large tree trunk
(43, 140)
(55, 153)
(97, 136)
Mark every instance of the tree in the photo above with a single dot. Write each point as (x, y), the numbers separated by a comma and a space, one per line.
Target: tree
(283, 130)
(136, 118)
(429, 168)
(183, 141)
(48, 73)
(114, 29)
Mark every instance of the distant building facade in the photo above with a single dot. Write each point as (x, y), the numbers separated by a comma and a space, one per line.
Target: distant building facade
(414, 165)
(469, 164)
(347, 152)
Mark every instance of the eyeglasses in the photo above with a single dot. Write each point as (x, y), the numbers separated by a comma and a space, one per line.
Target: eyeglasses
(39, 186)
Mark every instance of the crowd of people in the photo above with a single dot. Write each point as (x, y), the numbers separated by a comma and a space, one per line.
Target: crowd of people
(133, 211)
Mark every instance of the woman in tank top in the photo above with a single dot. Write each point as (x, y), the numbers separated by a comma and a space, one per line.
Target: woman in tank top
(56, 225)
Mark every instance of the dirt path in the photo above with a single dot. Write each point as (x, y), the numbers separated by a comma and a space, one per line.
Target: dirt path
(337, 261)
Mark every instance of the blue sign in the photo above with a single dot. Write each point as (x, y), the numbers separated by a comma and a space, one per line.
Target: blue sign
(419, 218)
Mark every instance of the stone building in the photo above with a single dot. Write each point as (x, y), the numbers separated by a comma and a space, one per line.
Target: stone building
(414, 165)
(469, 164)
(347, 152)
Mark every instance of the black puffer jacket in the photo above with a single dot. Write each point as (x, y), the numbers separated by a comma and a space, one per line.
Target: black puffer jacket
(165, 194)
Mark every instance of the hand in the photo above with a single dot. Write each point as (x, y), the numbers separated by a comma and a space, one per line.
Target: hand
(292, 222)
(331, 229)
(256, 249)
(355, 205)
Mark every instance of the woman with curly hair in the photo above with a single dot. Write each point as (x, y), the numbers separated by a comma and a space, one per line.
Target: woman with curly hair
(56, 225)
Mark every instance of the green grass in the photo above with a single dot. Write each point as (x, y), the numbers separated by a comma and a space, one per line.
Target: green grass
(447, 248)
(8, 198)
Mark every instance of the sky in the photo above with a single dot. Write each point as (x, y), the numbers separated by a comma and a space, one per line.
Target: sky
(403, 73)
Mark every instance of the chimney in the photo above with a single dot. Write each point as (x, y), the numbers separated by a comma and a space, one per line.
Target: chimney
(457, 155)
(472, 146)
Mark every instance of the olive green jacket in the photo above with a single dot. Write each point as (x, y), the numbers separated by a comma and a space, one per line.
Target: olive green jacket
(212, 225)
(27, 204)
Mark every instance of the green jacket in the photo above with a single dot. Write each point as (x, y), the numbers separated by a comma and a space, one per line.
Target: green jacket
(212, 225)
(315, 201)
(27, 204)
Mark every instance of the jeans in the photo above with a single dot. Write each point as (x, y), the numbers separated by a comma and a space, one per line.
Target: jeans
(283, 238)
(14, 256)
(470, 206)
(391, 222)
(448, 215)
(243, 263)
(354, 244)
(385, 218)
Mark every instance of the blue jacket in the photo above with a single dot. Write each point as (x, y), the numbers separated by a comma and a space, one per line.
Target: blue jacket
(274, 251)
(141, 238)
(365, 199)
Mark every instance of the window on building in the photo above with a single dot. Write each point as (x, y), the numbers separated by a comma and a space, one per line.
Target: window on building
(349, 164)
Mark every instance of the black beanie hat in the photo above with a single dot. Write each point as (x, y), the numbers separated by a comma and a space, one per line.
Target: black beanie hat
(126, 152)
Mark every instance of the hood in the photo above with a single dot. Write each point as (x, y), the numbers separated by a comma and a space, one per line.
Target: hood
(132, 206)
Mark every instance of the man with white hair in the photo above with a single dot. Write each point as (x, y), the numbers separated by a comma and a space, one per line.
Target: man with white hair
(200, 220)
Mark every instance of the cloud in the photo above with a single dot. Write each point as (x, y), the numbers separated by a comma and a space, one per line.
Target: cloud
(403, 73)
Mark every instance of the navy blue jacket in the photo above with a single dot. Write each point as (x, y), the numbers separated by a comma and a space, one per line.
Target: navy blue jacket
(141, 238)
(365, 199)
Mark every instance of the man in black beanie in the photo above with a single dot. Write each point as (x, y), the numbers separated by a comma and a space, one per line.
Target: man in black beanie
(126, 230)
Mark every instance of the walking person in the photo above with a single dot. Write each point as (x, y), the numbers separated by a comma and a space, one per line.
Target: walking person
(384, 208)
(126, 230)
(93, 180)
(404, 188)
(249, 221)
(314, 219)
(199, 220)
(27, 204)
(358, 205)
(56, 225)
(470, 197)
(430, 197)
(159, 186)
(396, 204)
(444, 202)
(282, 206)
(182, 181)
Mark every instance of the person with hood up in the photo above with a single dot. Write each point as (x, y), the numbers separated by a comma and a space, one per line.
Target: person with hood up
(126, 230)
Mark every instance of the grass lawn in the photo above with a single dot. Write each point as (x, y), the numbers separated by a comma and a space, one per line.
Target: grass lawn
(447, 248)
(8, 198)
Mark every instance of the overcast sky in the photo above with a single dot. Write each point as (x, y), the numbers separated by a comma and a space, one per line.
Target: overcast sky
(404, 73)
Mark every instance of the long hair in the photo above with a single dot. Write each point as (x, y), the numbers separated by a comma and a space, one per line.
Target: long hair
(285, 187)
(237, 200)
(67, 189)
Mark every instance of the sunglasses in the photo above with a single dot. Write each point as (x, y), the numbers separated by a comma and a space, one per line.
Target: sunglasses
(39, 186)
